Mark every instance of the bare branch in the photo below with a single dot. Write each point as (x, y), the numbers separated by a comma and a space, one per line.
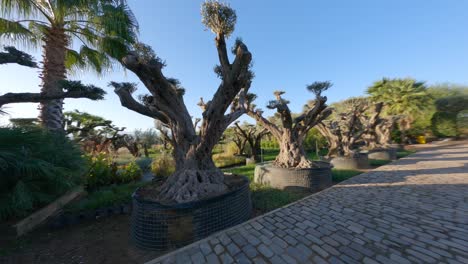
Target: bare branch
(124, 91)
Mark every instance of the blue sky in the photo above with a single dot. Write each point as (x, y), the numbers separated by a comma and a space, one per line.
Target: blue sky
(294, 43)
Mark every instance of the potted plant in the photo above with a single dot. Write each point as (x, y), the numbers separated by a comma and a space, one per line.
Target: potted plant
(291, 168)
(198, 198)
(346, 127)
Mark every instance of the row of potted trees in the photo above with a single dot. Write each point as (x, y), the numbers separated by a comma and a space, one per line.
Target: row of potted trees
(198, 198)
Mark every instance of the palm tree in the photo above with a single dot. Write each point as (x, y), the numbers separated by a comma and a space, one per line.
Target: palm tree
(74, 34)
(404, 98)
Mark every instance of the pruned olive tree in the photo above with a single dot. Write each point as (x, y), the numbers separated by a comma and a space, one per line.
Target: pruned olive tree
(253, 136)
(379, 129)
(292, 131)
(196, 175)
(347, 126)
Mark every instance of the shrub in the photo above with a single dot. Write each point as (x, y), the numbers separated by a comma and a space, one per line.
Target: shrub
(164, 165)
(102, 171)
(129, 173)
(444, 124)
(36, 167)
(231, 149)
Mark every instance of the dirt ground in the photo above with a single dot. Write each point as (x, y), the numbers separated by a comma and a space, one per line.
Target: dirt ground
(101, 241)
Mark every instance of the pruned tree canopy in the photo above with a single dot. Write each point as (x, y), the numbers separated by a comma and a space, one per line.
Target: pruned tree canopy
(352, 119)
(70, 89)
(12, 55)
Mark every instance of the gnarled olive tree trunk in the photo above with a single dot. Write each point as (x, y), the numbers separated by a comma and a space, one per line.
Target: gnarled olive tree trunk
(292, 133)
(349, 127)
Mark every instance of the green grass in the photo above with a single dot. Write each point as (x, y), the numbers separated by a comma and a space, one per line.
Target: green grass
(341, 175)
(107, 196)
(222, 161)
(270, 154)
(377, 163)
(265, 198)
(404, 153)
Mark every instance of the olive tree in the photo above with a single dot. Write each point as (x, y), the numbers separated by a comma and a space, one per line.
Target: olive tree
(292, 131)
(196, 175)
(350, 122)
(252, 135)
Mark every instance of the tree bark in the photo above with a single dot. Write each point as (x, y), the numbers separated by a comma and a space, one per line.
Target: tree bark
(54, 71)
(292, 153)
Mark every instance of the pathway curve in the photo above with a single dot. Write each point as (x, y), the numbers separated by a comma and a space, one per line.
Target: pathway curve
(414, 210)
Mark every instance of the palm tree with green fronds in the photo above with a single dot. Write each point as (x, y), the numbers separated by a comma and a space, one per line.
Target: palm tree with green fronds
(74, 34)
(405, 98)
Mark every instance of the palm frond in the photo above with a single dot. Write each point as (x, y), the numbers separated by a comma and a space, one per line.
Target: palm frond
(17, 32)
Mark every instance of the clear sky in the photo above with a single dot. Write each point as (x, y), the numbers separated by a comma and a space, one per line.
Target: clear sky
(294, 43)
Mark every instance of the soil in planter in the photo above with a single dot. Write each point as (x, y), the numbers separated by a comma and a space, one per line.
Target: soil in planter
(150, 192)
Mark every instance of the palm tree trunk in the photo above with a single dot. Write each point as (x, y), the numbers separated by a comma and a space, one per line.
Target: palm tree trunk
(53, 71)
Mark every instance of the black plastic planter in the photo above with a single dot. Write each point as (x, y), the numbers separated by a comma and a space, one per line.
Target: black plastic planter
(159, 227)
(309, 179)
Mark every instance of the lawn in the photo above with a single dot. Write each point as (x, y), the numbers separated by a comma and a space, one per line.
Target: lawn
(265, 198)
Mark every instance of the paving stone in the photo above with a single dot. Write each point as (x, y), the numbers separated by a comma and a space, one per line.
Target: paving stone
(399, 259)
(205, 248)
(233, 249)
(319, 260)
(212, 259)
(265, 251)
(259, 261)
(241, 258)
(290, 240)
(287, 259)
(250, 251)
(320, 251)
(218, 249)
(226, 258)
(280, 242)
(198, 258)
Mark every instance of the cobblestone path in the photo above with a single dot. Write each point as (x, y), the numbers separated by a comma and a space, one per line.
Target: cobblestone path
(414, 210)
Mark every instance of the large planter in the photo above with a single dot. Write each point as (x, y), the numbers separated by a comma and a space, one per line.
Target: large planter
(310, 179)
(357, 162)
(159, 227)
(383, 154)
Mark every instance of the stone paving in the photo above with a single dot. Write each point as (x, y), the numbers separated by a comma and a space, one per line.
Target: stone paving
(414, 210)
